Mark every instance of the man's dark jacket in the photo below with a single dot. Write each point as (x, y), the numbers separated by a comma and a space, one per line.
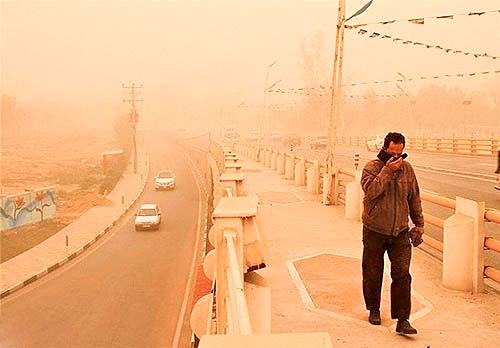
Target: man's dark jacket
(390, 197)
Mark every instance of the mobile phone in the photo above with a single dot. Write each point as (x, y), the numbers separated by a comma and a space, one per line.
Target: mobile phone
(403, 156)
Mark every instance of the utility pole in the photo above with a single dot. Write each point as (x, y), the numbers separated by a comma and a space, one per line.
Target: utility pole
(134, 116)
(328, 189)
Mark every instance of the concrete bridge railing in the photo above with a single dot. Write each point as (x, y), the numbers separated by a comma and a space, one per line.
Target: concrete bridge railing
(238, 308)
(464, 239)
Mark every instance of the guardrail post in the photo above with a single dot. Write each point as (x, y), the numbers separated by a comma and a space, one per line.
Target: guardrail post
(280, 163)
(274, 159)
(290, 167)
(313, 178)
(331, 180)
(473, 145)
(268, 158)
(463, 241)
(300, 168)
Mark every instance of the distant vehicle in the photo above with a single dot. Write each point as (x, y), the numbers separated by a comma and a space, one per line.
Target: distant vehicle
(377, 143)
(253, 138)
(321, 142)
(231, 134)
(165, 180)
(148, 217)
(291, 140)
(275, 137)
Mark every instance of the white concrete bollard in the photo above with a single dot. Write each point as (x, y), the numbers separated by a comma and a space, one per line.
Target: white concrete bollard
(280, 164)
(300, 168)
(313, 179)
(268, 158)
(457, 252)
(262, 157)
(274, 158)
(289, 168)
(353, 202)
(463, 243)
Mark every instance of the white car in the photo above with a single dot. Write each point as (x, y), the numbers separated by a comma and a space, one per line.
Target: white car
(148, 217)
(376, 144)
(165, 180)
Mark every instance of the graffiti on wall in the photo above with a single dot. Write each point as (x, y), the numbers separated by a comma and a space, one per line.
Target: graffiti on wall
(27, 208)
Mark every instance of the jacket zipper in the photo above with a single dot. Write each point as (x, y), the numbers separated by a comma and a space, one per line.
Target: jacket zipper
(395, 206)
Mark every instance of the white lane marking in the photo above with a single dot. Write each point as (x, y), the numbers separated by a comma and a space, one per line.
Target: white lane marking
(180, 320)
(309, 304)
(453, 174)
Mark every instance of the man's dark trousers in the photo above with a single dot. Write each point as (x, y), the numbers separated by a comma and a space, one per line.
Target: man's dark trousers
(399, 251)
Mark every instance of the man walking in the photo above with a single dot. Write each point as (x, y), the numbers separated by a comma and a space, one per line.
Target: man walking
(391, 194)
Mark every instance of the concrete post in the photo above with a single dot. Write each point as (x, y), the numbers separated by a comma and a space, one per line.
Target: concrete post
(313, 178)
(333, 182)
(463, 242)
(290, 167)
(262, 158)
(352, 198)
(280, 164)
(300, 168)
(268, 158)
(274, 158)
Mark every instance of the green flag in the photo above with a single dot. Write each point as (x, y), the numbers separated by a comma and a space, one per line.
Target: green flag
(360, 11)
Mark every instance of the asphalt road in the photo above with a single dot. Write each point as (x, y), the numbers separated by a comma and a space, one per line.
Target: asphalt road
(127, 290)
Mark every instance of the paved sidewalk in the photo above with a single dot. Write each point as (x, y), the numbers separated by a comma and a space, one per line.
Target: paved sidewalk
(88, 228)
(315, 275)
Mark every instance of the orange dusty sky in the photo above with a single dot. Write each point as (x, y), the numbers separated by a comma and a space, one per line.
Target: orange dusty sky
(192, 54)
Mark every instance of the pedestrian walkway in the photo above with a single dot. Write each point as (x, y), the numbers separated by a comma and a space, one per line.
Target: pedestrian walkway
(315, 277)
(81, 233)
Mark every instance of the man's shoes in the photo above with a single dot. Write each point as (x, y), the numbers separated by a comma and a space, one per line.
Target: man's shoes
(374, 317)
(404, 327)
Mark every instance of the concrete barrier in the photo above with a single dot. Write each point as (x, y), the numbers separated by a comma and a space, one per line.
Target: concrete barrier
(274, 159)
(300, 169)
(312, 177)
(281, 164)
(353, 198)
(268, 158)
(289, 168)
(463, 242)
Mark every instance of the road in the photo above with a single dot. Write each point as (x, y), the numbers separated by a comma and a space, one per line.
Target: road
(127, 290)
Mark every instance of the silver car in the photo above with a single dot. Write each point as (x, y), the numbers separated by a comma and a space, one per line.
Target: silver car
(165, 180)
(148, 217)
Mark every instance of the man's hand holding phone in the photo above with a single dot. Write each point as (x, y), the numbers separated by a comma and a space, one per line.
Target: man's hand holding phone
(394, 163)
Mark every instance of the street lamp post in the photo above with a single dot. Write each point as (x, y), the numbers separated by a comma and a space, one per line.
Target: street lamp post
(264, 103)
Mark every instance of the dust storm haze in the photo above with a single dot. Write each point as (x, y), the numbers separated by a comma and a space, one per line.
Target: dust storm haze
(204, 63)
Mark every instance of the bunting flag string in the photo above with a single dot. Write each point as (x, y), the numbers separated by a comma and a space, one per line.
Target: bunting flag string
(421, 20)
(345, 96)
(372, 35)
(325, 90)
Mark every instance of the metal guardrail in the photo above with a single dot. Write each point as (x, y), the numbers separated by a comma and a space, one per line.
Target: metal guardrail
(466, 146)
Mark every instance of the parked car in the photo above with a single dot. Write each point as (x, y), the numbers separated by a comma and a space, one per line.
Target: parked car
(165, 180)
(321, 142)
(291, 140)
(377, 143)
(148, 217)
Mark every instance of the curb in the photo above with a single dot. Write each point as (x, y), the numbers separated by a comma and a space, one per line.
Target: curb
(80, 250)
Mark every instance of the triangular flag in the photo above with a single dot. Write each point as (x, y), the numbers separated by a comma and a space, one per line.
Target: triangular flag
(416, 21)
(360, 11)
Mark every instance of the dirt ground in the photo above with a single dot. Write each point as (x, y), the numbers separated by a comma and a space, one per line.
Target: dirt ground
(71, 164)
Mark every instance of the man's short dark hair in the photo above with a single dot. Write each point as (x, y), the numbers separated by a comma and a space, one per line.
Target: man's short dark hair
(396, 138)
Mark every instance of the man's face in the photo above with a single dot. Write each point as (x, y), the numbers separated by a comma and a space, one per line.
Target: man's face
(394, 150)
